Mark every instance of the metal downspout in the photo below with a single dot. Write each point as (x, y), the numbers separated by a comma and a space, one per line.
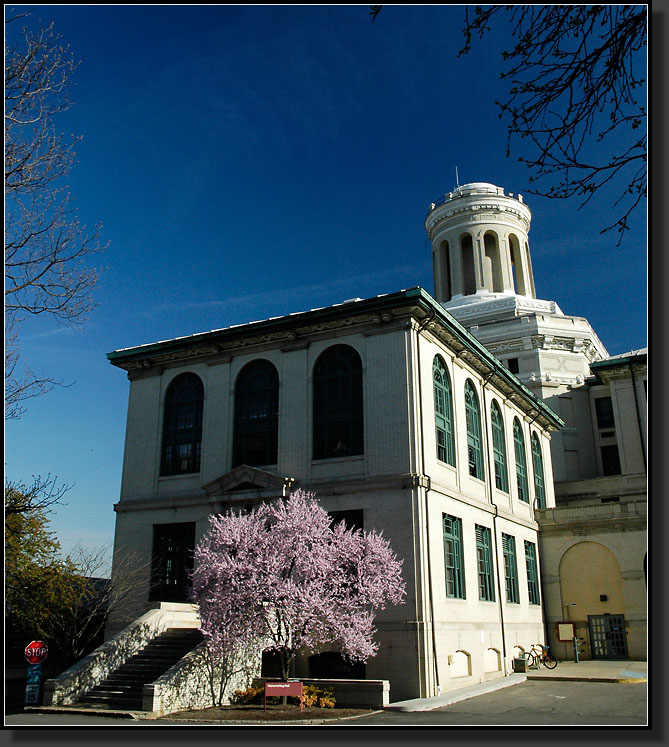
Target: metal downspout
(427, 514)
(494, 526)
(638, 417)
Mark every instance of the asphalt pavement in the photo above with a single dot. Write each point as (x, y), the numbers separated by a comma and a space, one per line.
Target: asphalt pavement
(585, 693)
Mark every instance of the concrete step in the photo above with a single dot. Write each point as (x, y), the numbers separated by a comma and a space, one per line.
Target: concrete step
(122, 689)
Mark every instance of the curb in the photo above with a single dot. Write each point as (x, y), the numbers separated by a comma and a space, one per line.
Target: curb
(171, 717)
(576, 678)
(294, 722)
(455, 696)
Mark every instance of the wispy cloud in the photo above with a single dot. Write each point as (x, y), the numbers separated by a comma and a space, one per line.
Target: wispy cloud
(292, 298)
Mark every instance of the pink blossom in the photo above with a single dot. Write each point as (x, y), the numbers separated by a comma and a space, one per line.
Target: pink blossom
(283, 577)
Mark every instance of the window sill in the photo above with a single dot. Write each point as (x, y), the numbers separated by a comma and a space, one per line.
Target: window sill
(476, 479)
(336, 460)
(177, 477)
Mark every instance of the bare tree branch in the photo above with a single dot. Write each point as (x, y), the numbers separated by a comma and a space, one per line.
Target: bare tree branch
(575, 96)
(47, 250)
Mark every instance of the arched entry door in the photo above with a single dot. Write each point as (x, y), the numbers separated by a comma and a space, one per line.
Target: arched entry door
(592, 596)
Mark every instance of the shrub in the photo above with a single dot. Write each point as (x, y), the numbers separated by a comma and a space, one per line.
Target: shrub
(312, 696)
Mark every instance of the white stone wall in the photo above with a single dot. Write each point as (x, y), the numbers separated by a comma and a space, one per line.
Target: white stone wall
(430, 641)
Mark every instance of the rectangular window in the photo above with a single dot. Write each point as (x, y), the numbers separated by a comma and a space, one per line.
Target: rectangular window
(510, 569)
(453, 558)
(353, 519)
(532, 572)
(512, 365)
(172, 561)
(483, 556)
(604, 410)
(610, 460)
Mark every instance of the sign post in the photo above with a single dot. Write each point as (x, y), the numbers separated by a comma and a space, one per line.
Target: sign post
(35, 653)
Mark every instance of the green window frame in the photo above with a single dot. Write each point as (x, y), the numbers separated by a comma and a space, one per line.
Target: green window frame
(532, 572)
(443, 412)
(499, 448)
(474, 448)
(453, 557)
(484, 561)
(510, 569)
(538, 465)
(521, 462)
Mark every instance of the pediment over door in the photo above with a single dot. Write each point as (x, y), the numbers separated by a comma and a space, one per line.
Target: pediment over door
(245, 484)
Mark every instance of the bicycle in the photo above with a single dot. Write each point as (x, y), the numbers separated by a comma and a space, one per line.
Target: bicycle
(538, 654)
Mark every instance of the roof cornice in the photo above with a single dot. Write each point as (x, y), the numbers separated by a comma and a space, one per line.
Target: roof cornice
(287, 329)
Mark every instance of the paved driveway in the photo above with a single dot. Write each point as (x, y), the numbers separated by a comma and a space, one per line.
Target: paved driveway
(532, 703)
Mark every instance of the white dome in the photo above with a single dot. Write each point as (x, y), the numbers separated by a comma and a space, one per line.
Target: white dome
(479, 187)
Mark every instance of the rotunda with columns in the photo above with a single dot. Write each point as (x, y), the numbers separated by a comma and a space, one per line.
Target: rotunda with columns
(480, 244)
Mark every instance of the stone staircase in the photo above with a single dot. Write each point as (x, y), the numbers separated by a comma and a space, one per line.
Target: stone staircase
(122, 690)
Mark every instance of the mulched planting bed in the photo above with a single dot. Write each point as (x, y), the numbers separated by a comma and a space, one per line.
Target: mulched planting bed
(273, 713)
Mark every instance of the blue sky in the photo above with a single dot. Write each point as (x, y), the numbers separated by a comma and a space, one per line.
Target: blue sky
(252, 161)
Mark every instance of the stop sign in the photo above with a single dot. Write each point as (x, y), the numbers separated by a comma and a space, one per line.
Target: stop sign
(36, 652)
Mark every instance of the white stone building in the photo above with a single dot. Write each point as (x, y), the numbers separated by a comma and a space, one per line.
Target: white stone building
(594, 542)
(433, 421)
(399, 420)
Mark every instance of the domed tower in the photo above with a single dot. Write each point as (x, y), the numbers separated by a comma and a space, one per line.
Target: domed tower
(480, 245)
(483, 277)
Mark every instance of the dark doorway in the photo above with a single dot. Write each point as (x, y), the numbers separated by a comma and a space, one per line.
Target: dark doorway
(332, 665)
(608, 639)
(172, 562)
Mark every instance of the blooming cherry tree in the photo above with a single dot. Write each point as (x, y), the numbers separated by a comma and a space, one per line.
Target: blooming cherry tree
(283, 578)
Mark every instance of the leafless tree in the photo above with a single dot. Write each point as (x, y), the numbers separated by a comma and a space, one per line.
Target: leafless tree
(40, 495)
(577, 95)
(88, 598)
(46, 248)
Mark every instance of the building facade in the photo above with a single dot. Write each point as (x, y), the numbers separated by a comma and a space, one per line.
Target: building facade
(593, 543)
(400, 421)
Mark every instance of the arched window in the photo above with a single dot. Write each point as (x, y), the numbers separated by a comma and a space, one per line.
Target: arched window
(538, 464)
(467, 265)
(521, 464)
(182, 426)
(499, 448)
(443, 412)
(338, 424)
(445, 271)
(492, 266)
(474, 448)
(256, 415)
(517, 266)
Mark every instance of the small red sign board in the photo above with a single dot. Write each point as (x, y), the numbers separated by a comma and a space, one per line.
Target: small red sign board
(283, 688)
(36, 652)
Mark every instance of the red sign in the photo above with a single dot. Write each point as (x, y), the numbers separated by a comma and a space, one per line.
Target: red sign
(283, 688)
(36, 652)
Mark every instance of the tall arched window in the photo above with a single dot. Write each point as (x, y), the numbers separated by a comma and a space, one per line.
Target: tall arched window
(256, 415)
(538, 464)
(474, 446)
(338, 424)
(499, 448)
(182, 426)
(443, 412)
(521, 463)
(467, 265)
